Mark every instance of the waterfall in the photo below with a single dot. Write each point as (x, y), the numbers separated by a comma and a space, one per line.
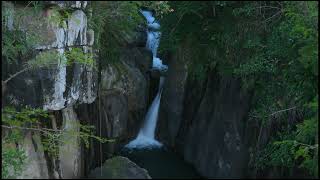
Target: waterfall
(145, 138)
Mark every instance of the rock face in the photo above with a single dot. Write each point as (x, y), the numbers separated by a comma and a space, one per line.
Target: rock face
(171, 106)
(119, 110)
(70, 92)
(56, 88)
(220, 113)
(70, 152)
(195, 115)
(60, 85)
(35, 166)
(119, 168)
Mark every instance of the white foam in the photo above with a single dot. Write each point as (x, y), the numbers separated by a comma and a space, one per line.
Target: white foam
(143, 142)
(157, 64)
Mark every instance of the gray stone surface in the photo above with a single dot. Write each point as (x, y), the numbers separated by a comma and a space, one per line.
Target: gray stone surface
(35, 166)
(119, 168)
(70, 150)
(58, 86)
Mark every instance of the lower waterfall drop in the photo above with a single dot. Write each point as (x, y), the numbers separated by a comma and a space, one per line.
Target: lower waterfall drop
(145, 138)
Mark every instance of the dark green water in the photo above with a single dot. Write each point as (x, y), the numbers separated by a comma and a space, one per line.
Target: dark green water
(161, 163)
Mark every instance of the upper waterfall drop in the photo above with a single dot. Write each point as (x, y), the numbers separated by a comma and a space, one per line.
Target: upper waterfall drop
(145, 138)
(153, 40)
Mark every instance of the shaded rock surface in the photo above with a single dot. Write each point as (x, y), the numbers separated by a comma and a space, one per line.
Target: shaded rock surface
(119, 110)
(119, 168)
(171, 106)
(220, 113)
(205, 120)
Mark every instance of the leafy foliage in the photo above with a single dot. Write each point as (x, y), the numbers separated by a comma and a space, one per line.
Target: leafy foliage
(12, 160)
(297, 149)
(77, 55)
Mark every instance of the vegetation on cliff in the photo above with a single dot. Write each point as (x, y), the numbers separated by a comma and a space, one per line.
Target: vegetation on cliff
(273, 48)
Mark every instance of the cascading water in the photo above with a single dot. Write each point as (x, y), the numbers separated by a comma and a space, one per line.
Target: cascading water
(145, 138)
(154, 40)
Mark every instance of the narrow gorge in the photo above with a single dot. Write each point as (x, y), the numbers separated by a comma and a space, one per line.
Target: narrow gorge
(159, 89)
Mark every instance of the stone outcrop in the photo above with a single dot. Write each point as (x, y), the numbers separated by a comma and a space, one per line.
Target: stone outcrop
(119, 168)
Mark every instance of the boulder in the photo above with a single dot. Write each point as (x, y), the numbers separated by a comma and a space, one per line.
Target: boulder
(119, 168)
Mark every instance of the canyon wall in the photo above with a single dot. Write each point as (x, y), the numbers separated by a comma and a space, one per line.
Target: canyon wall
(204, 120)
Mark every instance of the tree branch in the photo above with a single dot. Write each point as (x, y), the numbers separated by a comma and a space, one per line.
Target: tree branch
(15, 74)
(282, 111)
(44, 130)
(277, 112)
(269, 18)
